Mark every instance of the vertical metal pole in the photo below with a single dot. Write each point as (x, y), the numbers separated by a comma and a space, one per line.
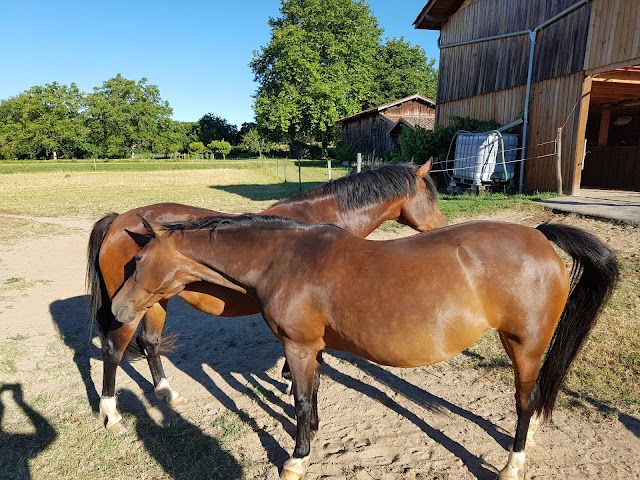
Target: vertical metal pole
(329, 169)
(358, 162)
(525, 126)
(559, 161)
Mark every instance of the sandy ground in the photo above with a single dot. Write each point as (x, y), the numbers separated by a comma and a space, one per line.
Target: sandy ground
(438, 422)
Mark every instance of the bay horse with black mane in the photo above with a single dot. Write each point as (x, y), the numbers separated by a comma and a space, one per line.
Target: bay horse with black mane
(358, 203)
(430, 296)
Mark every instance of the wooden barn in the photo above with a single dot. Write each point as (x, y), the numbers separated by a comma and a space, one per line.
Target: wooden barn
(377, 130)
(573, 64)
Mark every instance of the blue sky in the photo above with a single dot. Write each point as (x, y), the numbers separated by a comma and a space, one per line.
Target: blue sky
(196, 52)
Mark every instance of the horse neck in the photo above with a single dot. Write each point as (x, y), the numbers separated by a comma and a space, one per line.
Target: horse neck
(359, 222)
(243, 256)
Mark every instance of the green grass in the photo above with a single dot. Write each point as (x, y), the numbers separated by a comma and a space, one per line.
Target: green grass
(466, 205)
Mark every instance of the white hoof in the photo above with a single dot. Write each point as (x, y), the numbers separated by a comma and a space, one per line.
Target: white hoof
(294, 468)
(110, 416)
(164, 390)
(514, 465)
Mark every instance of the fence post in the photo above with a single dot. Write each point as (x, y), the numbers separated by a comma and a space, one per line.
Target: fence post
(358, 162)
(559, 161)
(299, 175)
(329, 169)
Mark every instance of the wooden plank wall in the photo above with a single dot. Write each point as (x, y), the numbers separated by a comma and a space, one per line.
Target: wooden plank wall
(614, 34)
(367, 133)
(552, 103)
(503, 107)
(481, 68)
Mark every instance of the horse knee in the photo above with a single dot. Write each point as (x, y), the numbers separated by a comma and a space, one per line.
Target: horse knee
(149, 344)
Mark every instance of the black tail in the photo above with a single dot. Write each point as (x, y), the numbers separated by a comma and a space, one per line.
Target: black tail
(99, 301)
(593, 277)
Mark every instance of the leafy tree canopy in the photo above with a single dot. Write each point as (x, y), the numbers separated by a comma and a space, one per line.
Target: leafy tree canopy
(324, 61)
(403, 70)
(253, 142)
(124, 114)
(43, 121)
(220, 146)
(318, 66)
(213, 127)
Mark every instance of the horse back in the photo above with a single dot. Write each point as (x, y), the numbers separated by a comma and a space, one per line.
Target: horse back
(424, 298)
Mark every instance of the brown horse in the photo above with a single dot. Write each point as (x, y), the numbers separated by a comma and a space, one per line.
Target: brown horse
(359, 203)
(429, 297)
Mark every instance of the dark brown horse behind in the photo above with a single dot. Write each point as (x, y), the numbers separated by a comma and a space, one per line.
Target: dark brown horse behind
(429, 297)
(358, 203)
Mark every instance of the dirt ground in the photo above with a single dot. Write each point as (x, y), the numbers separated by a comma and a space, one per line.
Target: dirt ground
(439, 422)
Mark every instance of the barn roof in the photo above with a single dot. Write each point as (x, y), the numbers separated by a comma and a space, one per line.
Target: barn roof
(412, 122)
(436, 13)
(382, 108)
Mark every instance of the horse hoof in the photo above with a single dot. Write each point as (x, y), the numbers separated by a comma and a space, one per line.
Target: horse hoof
(177, 402)
(118, 428)
(289, 475)
(294, 468)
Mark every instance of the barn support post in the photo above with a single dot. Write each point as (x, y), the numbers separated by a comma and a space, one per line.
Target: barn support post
(358, 162)
(559, 161)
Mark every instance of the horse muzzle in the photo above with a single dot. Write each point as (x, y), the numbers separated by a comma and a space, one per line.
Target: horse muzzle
(124, 311)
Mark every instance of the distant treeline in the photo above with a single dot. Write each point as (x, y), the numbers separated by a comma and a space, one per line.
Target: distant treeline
(120, 119)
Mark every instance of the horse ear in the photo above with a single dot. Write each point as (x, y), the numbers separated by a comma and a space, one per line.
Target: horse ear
(153, 229)
(424, 170)
(141, 239)
(209, 275)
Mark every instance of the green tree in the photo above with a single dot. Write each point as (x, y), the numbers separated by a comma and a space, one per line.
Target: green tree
(403, 70)
(125, 115)
(253, 142)
(318, 66)
(213, 127)
(220, 146)
(177, 138)
(44, 121)
(196, 148)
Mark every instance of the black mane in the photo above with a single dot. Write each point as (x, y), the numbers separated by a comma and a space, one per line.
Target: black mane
(371, 186)
(247, 220)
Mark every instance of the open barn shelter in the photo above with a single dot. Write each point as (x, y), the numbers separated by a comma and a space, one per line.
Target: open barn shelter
(569, 64)
(377, 129)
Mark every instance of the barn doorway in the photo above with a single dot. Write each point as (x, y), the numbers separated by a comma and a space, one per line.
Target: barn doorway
(612, 151)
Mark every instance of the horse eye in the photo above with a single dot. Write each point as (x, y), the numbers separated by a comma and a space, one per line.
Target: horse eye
(137, 258)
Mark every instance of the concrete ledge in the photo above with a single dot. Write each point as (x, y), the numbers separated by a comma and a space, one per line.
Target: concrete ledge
(609, 204)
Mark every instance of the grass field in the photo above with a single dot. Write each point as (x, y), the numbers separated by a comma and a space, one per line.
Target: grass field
(604, 375)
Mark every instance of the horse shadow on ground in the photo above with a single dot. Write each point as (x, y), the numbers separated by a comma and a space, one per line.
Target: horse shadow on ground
(244, 348)
(272, 192)
(16, 449)
(182, 449)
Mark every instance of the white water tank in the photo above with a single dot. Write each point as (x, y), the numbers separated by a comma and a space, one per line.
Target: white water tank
(478, 157)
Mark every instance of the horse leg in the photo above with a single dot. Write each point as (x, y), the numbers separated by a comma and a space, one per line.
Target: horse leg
(315, 423)
(113, 346)
(526, 365)
(149, 341)
(286, 374)
(305, 368)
